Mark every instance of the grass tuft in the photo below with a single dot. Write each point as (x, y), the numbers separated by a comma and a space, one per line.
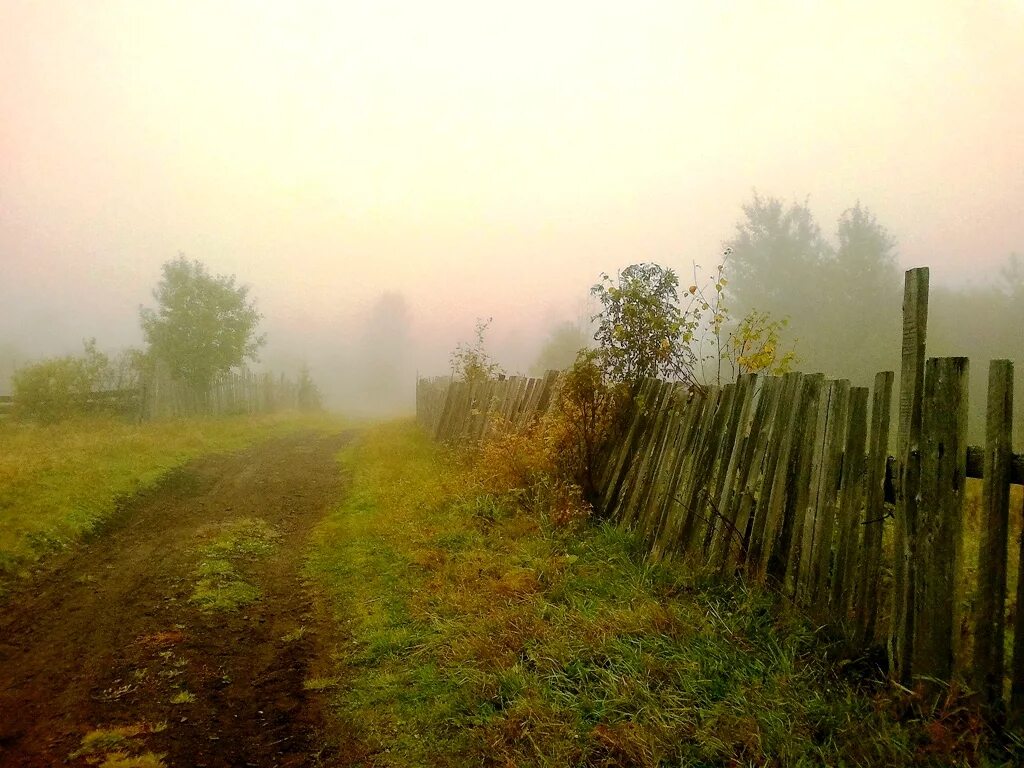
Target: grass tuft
(219, 586)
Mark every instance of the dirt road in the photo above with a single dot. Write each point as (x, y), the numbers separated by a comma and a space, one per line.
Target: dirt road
(113, 654)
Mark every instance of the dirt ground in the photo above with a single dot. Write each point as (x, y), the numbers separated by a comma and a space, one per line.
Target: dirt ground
(108, 636)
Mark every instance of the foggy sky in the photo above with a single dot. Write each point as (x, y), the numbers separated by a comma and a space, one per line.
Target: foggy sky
(481, 159)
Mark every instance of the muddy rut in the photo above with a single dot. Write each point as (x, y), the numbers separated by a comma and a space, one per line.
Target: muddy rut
(111, 641)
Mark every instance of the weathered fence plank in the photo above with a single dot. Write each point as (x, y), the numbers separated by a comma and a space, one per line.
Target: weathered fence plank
(851, 499)
(771, 499)
(908, 465)
(940, 521)
(874, 509)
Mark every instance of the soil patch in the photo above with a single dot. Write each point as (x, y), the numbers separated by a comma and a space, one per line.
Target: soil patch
(111, 656)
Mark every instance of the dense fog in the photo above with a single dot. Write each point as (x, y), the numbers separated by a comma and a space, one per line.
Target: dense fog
(384, 175)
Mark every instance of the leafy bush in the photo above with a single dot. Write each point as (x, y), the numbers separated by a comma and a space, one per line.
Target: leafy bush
(581, 420)
(550, 465)
(646, 328)
(642, 328)
(60, 387)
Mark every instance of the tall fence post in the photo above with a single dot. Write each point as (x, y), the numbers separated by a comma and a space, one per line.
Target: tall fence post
(908, 464)
(989, 629)
(940, 518)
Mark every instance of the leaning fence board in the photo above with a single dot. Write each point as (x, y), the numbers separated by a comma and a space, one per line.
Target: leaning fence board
(683, 532)
(726, 463)
(751, 471)
(827, 490)
(815, 396)
(646, 459)
(770, 510)
(619, 461)
(677, 428)
(874, 513)
(851, 491)
(674, 512)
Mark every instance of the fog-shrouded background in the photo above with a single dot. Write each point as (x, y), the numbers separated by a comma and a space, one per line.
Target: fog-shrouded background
(384, 173)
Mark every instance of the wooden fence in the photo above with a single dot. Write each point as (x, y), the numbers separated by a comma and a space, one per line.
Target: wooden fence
(788, 481)
(160, 397)
(232, 394)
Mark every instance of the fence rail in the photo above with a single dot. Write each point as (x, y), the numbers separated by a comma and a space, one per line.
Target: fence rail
(788, 481)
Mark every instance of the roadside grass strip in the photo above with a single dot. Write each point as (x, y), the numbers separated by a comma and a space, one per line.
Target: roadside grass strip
(479, 636)
(61, 482)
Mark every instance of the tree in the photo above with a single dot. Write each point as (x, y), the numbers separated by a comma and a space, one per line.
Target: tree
(560, 348)
(642, 328)
(309, 396)
(859, 329)
(842, 302)
(776, 258)
(204, 325)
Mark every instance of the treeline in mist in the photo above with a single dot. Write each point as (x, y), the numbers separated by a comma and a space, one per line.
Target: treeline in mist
(843, 298)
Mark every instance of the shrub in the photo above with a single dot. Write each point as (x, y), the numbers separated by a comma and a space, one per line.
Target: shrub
(471, 362)
(581, 421)
(60, 387)
(549, 466)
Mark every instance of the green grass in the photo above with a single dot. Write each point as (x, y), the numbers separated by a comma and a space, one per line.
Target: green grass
(219, 585)
(117, 747)
(61, 482)
(477, 636)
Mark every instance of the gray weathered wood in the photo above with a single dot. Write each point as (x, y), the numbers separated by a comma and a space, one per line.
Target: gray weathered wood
(990, 621)
(685, 532)
(815, 401)
(751, 470)
(851, 500)
(940, 518)
(675, 511)
(827, 486)
(619, 459)
(725, 466)
(874, 509)
(771, 505)
(646, 457)
(908, 467)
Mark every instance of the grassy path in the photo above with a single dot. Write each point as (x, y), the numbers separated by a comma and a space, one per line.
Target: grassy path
(480, 636)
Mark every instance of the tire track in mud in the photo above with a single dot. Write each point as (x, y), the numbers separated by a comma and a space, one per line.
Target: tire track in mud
(110, 639)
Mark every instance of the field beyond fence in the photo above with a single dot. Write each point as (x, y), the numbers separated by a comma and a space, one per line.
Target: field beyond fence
(788, 480)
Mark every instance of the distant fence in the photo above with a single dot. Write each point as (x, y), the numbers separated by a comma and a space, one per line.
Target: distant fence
(232, 394)
(788, 480)
(160, 397)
